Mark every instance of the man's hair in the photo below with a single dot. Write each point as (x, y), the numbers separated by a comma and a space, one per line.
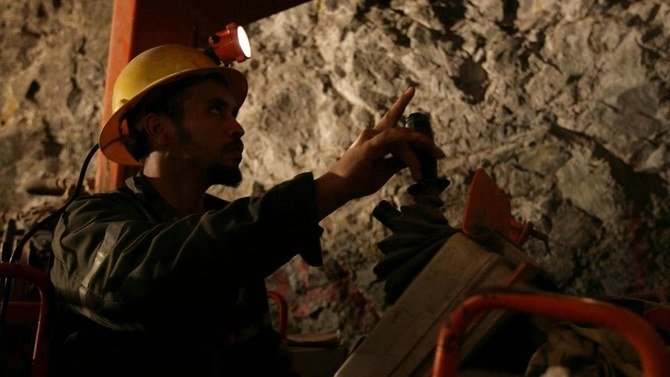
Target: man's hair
(166, 99)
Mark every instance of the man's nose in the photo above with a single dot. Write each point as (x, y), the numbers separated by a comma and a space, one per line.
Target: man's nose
(236, 129)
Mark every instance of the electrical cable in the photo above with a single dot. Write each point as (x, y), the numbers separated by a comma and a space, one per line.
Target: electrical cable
(16, 253)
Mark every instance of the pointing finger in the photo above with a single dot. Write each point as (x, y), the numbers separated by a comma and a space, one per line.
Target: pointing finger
(392, 117)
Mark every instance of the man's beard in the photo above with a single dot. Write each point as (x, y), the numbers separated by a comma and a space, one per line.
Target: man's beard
(223, 175)
(218, 174)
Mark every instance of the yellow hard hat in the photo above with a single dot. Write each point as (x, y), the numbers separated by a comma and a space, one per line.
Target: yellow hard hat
(148, 70)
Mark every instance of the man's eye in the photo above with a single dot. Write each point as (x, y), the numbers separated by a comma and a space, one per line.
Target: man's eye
(219, 111)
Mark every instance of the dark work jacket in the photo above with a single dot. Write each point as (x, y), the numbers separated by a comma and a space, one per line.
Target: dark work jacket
(148, 291)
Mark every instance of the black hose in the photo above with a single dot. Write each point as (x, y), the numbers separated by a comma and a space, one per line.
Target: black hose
(16, 253)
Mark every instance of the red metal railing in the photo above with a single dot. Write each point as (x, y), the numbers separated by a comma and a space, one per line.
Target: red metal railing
(282, 308)
(649, 345)
(20, 312)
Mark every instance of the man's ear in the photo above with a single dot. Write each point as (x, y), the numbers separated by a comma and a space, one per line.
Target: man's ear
(157, 131)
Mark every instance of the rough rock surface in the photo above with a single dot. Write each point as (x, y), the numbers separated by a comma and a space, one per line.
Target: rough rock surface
(52, 70)
(565, 102)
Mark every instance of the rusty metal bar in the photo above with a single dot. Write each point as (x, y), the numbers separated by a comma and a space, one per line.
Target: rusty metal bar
(47, 186)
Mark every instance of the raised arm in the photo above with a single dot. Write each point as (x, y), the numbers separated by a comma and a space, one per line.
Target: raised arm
(376, 155)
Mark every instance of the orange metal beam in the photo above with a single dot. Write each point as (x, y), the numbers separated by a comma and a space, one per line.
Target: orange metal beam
(109, 175)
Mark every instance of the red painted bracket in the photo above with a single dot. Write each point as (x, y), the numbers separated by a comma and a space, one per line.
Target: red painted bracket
(488, 208)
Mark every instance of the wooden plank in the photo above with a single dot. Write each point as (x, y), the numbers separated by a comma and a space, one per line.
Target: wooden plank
(404, 339)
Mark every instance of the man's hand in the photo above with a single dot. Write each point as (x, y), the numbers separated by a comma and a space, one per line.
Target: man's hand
(374, 157)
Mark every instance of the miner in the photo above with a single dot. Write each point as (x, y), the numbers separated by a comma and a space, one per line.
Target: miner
(160, 278)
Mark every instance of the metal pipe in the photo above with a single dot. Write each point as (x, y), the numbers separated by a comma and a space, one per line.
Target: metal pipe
(46, 186)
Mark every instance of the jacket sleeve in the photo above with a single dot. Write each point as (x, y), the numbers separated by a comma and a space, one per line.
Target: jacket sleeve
(108, 255)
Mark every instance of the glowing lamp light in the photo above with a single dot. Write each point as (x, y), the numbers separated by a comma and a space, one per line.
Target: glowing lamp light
(231, 44)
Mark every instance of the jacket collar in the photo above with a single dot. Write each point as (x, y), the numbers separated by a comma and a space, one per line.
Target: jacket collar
(140, 186)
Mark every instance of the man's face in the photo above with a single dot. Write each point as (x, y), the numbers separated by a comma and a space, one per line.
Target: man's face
(209, 136)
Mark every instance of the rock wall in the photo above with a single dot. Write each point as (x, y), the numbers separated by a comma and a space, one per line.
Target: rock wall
(53, 55)
(565, 103)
